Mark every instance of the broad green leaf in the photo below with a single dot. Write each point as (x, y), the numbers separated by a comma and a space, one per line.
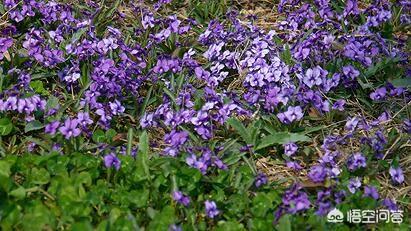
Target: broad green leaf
(6, 126)
(284, 223)
(142, 157)
(163, 219)
(110, 134)
(33, 125)
(405, 82)
(99, 136)
(40, 176)
(281, 138)
(230, 226)
(38, 87)
(5, 168)
(129, 141)
(241, 130)
(18, 193)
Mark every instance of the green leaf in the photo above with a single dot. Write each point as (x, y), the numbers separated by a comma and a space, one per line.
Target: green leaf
(38, 87)
(241, 130)
(110, 134)
(37, 217)
(33, 125)
(40, 176)
(284, 223)
(18, 193)
(5, 168)
(142, 157)
(52, 102)
(162, 219)
(230, 226)
(261, 205)
(5, 126)
(99, 136)
(129, 141)
(281, 138)
(139, 197)
(405, 82)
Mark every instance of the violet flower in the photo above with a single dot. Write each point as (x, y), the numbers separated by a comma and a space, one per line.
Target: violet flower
(211, 209)
(354, 184)
(390, 204)
(290, 148)
(111, 160)
(396, 174)
(371, 191)
(292, 113)
(69, 128)
(356, 161)
(378, 94)
(52, 127)
(260, 179)
(180, 198)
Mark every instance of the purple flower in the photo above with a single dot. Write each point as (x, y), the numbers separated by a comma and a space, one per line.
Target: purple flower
(83, 118)
(354, 184)
(397, 175)
(5, 43)
(350, 72)
(290, 148)
(116, 108)
(371, 191)
(356, 161)
(390, 204)
(69, 129)
(260, 179)
(72, 78)
(407, 126)
(176, 138)
(174, 227)
(292, 113)
(294, 165)
(31, 146)
(25, 106)
(351, 124)
(378, 94)
(180, 198)
(111, 160)
(52, 127)
(211, 209)
(313, 76)
(294, 200)
(339, 105)
(317, 173)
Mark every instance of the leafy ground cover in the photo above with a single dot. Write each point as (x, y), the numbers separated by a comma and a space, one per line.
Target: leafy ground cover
(203, 115)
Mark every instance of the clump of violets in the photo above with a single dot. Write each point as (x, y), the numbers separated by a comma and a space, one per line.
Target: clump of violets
(294, 200)
(205, 161)
(327, 50)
